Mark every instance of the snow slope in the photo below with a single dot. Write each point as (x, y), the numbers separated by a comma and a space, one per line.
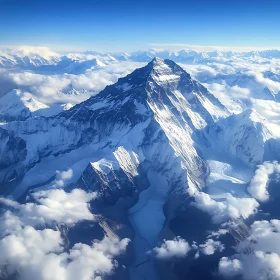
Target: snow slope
(243, 135)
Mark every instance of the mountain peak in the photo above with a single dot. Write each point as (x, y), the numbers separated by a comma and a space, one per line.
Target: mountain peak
(157, 60)
(252, 114)
(161, 62)
(162, 70)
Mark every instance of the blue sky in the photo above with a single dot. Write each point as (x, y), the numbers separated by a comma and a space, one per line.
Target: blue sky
(122, 25)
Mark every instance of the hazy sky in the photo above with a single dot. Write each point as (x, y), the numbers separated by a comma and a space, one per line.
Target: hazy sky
(126, 25)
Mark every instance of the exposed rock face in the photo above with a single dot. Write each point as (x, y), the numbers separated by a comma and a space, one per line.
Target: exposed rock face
(13, 152)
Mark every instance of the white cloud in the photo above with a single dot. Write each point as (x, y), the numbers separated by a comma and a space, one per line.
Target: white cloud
(28, 245)
(226, 208)
(229, 268)
(258, 255)
(40, 254)
(169, 249)
(51, 206)
(211, 246)
(49, 89)
(218, 233)
(238, 83)
(259, 183)
(269, 110)
(265, 82)
(31, 51)
(62, 176)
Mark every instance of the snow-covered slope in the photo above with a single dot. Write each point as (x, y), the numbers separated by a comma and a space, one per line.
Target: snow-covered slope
(43, 59)
(28, 57)
(246, 81)
(158, 107)
(243, 135)
(18, 106)
(71, 65)
(12, 107)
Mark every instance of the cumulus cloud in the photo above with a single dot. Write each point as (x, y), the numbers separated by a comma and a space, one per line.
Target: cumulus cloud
(211, 246)
(179, 248)
(259, 183)
(226, 208)
(40, 253)
(62, 177)
(258, 256)
(51, 206)
(229, 268)
(169, 249)
(218, 233)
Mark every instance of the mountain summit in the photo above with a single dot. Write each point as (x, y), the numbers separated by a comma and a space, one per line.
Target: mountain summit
(159, 104)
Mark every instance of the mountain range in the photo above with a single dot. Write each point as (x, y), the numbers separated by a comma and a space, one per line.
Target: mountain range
(148, 145)
(79, 62)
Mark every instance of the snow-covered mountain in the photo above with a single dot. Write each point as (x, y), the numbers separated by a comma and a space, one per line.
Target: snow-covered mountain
(243, 135)
(245, 81)
(28, 57)
(42, 59)
(156, 105)
(18, 106)
(149, 145)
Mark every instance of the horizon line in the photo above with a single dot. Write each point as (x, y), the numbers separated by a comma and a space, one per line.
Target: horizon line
(153, 46)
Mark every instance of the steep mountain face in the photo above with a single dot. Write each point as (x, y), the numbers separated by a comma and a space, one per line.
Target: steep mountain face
(156, 107)
(13, 108)
(269, 94)
(12, 149)
(12, 155)
(243, 135)
(272, 76)
(115, 177)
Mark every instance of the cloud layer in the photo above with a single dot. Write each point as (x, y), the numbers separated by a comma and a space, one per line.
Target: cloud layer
(33, 250)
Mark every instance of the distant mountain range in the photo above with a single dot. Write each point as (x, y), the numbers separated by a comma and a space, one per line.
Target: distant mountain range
(76, 63)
